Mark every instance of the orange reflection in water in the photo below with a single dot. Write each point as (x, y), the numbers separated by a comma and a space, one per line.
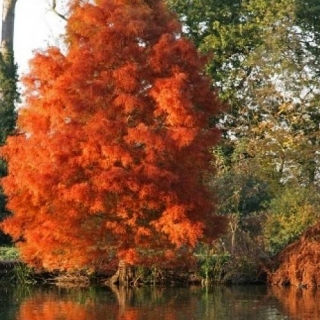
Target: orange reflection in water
(52, 310)
(115, 304)
(216, 303)
(298, 303)
(52, 306)
(111, 304)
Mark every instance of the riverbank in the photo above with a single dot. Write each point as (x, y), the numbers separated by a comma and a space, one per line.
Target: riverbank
(8, 266)
(16, 271)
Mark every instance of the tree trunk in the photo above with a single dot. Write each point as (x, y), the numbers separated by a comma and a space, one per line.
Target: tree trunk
(124, 275)
(233, 226)
(8, 73)
(8, 9)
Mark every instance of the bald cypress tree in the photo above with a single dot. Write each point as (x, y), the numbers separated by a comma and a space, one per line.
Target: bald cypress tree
(114, 144)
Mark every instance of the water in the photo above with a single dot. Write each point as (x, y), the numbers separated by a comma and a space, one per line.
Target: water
(155, 303)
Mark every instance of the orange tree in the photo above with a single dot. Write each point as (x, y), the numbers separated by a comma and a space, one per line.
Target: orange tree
(112, 145)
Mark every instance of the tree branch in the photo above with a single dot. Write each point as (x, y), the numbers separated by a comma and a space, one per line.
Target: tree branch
(53, 8)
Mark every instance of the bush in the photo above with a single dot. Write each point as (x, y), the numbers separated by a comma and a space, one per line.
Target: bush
(289, 215)
(9, 253)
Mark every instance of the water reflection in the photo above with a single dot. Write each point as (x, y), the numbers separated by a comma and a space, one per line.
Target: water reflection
(194, 303)
(298, 303)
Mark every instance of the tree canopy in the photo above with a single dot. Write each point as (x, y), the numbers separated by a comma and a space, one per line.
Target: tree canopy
(265, 64)
(113, 143)
(264, 60)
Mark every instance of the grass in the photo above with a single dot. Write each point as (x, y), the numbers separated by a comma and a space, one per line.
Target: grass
(9, 253)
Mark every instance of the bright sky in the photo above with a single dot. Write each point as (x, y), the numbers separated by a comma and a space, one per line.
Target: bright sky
(36, 27)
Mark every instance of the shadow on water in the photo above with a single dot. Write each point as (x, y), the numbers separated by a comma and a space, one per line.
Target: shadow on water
(97, 303)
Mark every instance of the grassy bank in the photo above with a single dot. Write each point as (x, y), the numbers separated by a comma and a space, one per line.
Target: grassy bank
(211, 269)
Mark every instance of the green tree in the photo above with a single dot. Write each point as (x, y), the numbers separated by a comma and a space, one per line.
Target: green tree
(289, 214)
(264, 62)
(263, 57)
(8, 90)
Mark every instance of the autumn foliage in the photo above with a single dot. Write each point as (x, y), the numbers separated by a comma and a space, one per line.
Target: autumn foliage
(112, 143)
(298, 263)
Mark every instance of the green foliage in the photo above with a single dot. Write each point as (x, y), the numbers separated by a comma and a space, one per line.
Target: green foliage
(242, 269)
(290, 213)
(213, 267)
(217, 265)
(241, 186)
(17, 273)
(8, 97)
(212, 264)
(22, 274)
(264, 60)
(9, 253)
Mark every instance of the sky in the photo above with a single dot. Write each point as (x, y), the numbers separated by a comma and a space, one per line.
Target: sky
(36, 27)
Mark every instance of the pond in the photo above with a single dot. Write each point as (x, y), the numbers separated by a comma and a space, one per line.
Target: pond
(190, 303)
